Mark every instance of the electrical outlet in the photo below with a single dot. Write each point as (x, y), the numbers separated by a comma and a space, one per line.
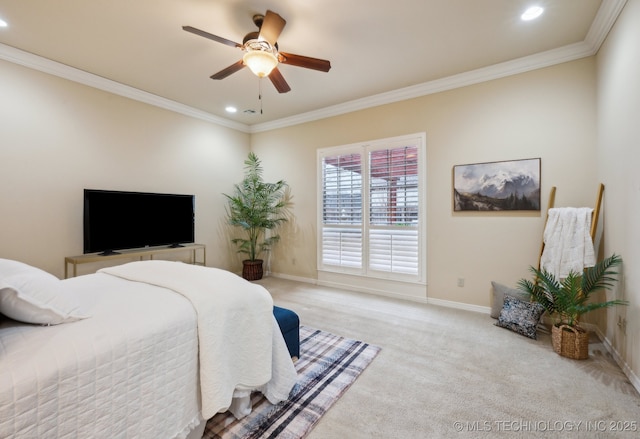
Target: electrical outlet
(461, 281)
(622, 324)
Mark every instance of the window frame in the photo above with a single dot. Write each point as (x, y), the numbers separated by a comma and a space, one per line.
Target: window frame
(364, 149)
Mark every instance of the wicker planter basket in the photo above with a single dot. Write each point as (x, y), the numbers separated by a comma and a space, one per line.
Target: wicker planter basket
(252, 270)
(570, 341)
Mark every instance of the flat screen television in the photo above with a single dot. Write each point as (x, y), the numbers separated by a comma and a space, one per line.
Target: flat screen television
(118, 220)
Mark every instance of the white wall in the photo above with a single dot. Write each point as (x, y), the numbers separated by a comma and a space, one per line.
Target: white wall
(58, 137)
(548, 113)
(618, 155)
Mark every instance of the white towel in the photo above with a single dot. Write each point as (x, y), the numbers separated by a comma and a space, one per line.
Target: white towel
(567, 239)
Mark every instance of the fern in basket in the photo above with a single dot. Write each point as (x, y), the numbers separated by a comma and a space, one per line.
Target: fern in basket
(568, 298)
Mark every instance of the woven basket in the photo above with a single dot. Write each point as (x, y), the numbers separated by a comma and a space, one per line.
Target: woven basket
(570, 341)
(252, 270)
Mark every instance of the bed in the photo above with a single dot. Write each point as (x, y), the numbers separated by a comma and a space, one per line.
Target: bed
(147, 349)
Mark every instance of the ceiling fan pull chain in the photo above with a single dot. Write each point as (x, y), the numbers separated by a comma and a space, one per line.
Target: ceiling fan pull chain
(260, 93)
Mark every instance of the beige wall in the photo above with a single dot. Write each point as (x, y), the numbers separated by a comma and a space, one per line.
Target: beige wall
(549, 113)
(59, 137)
(618, 155)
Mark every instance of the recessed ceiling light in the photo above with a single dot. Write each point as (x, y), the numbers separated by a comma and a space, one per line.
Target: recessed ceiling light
(231, 109)
(3, 23)
(532, 13)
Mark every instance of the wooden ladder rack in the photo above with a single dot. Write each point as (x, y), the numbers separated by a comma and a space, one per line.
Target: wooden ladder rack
(595, 215)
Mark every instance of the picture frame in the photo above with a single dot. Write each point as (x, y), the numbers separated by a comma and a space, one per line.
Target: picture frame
(497, 186)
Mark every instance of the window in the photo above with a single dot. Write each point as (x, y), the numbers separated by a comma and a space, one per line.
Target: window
(342, 210)
(371, 209)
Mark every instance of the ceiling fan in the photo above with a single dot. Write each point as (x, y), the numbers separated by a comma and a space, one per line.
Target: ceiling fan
(261, 51)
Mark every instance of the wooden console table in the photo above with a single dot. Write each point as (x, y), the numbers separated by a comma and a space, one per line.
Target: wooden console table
(140, 253)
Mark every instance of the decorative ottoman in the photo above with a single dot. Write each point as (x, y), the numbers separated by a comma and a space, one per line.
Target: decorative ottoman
(289, 324)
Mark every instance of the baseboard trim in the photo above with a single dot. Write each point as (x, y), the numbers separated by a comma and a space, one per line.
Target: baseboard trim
(460, 305)
(633, 378)
(360, 289)
(374, 291)
(306, 280)
(343, 286)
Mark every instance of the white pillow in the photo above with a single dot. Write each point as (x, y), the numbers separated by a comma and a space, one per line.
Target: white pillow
(30, 295)
(499, 293)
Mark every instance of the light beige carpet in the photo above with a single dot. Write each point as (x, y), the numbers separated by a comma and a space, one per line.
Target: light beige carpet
(451, 373)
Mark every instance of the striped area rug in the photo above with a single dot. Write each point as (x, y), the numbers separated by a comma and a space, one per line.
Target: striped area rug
(328, 365)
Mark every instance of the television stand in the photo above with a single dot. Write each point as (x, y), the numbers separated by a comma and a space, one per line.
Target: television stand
(136, 253)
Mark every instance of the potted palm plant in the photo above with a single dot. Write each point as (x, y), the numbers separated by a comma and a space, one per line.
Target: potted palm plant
(256, 208)
(569, 298)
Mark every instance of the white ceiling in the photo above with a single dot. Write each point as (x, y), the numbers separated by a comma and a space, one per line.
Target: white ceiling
(380, 50)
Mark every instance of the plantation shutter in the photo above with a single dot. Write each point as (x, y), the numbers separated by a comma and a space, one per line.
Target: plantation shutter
(393, 211)
(342, 210)
(370, 209)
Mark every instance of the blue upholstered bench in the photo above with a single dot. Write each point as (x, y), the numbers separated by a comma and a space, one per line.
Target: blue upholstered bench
(289, 324)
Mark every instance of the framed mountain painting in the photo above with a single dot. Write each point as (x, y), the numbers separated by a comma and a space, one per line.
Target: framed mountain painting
(496, 186)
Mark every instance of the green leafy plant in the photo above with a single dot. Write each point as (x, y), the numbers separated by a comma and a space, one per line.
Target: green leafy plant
(569, 298)
(255, 207)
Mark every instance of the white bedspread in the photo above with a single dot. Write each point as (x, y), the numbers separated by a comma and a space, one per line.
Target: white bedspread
(568, 244)
(130, 370)
(241, 347)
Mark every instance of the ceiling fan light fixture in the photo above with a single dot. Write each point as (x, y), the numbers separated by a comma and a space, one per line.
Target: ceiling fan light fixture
(261, 53)
(260, 57)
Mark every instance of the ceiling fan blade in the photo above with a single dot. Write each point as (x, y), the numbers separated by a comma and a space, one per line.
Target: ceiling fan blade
(228, 71)
(202, 33)
(304, 61)
(278, 81)
(272, 25)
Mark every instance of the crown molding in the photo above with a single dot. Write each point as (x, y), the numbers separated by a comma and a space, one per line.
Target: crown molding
(605, 18)
(64, 71)
(496, 71)
(603, 22)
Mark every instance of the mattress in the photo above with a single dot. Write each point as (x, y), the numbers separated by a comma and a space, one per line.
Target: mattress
(130, 370)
